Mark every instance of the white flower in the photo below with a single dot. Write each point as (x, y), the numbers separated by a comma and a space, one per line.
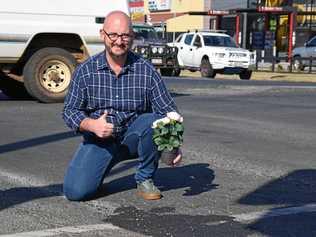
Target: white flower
(175, 116)
(165, 120)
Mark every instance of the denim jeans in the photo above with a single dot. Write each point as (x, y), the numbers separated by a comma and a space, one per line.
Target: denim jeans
(94, 158)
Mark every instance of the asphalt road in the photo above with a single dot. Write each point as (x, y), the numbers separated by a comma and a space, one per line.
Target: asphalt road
(248, 170)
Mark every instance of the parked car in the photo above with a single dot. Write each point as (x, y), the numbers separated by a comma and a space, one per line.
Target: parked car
(213, 52)
(307, 51)
(150, 46)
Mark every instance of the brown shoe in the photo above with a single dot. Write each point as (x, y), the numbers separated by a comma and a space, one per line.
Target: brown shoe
(148, 190)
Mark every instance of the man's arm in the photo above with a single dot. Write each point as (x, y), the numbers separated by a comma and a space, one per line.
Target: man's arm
(74, 112)
(160, 98)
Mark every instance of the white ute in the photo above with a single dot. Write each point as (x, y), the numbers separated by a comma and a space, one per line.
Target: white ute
(213, 52)
(42, 41)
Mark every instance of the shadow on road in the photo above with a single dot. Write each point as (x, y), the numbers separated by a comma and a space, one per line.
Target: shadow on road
(296, 189)
(12, 88)
(36, 141)
(195, 178)
(15, 196)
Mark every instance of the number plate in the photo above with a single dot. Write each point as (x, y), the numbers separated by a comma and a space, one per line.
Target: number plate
(156, 61)
(237, 64)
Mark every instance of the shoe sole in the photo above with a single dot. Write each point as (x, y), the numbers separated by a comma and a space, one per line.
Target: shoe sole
(147, 196)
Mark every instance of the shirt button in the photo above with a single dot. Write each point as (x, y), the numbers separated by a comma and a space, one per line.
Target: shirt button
(117, 96)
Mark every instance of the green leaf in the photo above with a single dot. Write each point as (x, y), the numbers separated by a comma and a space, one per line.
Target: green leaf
(179, 127)
(164, 131)
(161, 148)
(175, 143)
(158, 141)
(169, 147)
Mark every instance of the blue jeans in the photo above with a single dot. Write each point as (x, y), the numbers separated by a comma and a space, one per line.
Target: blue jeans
(95, 158)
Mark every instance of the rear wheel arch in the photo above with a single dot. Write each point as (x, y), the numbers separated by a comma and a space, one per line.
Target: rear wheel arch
(73, 43)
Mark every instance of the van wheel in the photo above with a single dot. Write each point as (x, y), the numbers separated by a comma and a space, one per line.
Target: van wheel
(245, 74)
(47, 74)
(206, 68)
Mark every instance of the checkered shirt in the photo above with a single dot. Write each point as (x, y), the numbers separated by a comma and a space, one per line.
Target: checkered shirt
(95, 89)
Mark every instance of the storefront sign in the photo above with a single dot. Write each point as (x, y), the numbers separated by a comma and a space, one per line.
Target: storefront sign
(136, 9)
(258, 40)
(159, 5)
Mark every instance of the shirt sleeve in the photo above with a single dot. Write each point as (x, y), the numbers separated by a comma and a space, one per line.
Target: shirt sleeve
(161, 100)
(75, 101)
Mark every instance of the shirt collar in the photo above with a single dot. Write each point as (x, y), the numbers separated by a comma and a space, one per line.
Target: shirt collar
(129, 64)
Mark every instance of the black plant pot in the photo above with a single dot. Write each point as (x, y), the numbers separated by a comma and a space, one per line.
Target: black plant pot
(167, 156)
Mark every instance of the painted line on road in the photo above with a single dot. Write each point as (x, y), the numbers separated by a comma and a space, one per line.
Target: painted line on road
(65, 230)
(253, 216)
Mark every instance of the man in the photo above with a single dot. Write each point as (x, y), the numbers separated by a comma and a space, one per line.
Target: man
(113, 99)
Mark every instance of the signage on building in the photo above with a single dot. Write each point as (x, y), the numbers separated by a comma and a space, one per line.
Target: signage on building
(270, 9)
(258, 40)
(136, 9)
(159, 5)
(217, 12)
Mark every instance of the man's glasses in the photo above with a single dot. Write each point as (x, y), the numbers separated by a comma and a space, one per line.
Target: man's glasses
(115, 36)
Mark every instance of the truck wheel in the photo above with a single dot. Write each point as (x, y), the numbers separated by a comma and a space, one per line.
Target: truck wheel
(206, 68)
(166, 72)
(245, 74)
(47, 74)
(176, 72)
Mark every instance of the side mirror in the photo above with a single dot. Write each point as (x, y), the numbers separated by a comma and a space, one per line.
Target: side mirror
(197, 44)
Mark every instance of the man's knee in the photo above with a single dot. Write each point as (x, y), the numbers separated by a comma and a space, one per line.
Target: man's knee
(77, 193)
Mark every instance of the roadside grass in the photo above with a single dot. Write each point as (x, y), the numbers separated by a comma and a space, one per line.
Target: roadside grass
(272, 76)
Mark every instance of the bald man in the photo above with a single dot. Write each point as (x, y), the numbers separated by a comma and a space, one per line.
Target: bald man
(113, 99)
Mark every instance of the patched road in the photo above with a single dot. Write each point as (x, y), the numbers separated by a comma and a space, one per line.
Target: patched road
(248, 170)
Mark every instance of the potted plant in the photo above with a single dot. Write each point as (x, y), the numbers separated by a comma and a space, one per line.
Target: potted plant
(168, 136)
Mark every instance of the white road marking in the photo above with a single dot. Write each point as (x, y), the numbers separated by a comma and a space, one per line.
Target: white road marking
(253, 216)
(64, 230)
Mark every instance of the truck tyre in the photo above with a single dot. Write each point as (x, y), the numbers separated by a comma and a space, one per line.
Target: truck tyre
(206, 68)
(298, 64)
(166, 72)
(245, 74)
(47, 74)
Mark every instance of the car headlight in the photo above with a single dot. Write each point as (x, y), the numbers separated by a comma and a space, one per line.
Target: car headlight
(219, 55)
(160, 50)
(154, 49)
(143, 50)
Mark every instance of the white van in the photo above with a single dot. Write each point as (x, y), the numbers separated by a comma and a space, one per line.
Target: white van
(42, 41)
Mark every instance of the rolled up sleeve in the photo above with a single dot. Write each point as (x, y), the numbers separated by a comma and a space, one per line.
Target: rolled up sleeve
(161, 100)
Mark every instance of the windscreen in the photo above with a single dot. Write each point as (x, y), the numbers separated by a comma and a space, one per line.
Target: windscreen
(219, 41)
(145, 32)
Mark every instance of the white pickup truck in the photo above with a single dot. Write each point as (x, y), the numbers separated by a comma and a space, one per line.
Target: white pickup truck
(212, 53)
(42, 41)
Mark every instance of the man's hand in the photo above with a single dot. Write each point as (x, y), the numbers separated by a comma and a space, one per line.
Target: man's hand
(178, 158)
(99, 127)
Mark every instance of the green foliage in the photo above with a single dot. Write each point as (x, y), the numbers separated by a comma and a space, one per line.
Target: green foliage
(168, 136)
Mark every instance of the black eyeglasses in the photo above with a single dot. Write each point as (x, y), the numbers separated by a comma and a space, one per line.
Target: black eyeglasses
(115, 36)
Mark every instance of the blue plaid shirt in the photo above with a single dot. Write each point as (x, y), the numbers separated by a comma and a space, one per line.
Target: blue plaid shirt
(95, 89)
